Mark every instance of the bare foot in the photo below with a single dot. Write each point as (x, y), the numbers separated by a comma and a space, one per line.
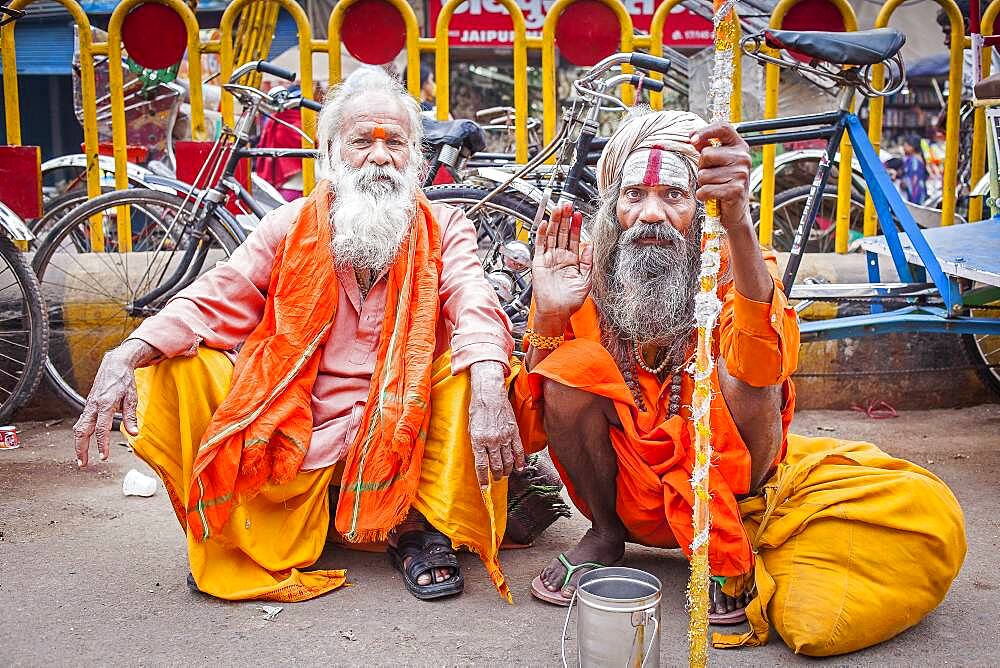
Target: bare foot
(592, 547)
(416, 522)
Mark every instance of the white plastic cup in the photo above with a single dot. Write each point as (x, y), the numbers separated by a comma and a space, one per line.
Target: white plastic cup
(138, 484)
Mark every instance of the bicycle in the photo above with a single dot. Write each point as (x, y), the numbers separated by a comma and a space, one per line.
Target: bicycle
(24, 329)
(506, 203)
(117, 259)
(938, 268)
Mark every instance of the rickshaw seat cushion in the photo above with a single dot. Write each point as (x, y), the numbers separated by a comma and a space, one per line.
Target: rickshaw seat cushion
(864, 47)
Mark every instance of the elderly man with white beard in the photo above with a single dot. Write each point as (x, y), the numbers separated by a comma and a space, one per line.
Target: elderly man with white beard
(352, 341)
(611, 341)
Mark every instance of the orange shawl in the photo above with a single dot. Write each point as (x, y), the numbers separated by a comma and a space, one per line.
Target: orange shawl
(261, 432)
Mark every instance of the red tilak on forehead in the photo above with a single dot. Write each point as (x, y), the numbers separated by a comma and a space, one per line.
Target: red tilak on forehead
(652, 176)
(379, 132)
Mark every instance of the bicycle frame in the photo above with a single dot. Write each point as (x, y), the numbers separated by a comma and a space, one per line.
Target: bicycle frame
(889, 205)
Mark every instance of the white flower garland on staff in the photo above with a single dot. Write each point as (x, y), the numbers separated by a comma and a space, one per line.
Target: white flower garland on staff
(706, 312)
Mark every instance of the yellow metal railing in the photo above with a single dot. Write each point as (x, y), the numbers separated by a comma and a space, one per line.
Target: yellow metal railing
(520, 48)
(236, 34)
(87, 86)
(550, 104)
(979, 141)
(771, 84)
(948, 185)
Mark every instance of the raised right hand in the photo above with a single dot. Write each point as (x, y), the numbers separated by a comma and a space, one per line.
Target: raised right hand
(560, 270)
(113, 391)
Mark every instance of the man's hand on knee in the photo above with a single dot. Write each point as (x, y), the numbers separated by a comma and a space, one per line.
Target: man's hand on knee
(113, 391)
(496, 442)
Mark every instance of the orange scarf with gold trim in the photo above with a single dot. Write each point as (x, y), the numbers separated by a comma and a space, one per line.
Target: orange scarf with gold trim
(261, 432)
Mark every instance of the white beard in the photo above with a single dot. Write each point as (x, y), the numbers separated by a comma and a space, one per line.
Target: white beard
(371, 213)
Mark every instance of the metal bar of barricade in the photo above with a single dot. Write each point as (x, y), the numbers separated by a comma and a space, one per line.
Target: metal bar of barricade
(549, 101)
(771, 85)
(442, 69)
(656, 28)
(118, 132)
(87, 86)
(979, 141)
(412, 41)
(948, 193)
(305, 73)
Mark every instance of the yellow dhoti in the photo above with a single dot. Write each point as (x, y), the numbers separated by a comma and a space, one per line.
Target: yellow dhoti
(270, 538)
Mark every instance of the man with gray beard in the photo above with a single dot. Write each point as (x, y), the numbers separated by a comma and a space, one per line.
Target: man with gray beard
(610, 345)
(372, 357)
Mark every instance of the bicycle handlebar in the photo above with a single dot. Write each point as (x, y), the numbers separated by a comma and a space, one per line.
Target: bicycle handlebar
(648, 62)
(281, 73)
(647, 83)
(311, 104)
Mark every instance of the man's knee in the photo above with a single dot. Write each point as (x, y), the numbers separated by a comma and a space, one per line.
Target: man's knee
(572, 409)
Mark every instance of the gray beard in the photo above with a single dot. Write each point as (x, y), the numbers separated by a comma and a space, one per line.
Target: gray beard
(371, 213)
(645, 293)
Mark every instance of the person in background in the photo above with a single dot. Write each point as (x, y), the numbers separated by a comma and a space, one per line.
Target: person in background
(914, 172)
(428, 87)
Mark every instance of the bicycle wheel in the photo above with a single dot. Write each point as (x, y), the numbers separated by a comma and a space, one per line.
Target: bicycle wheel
(56, 209)
(505, 218)
(24, 330)
(983, 350)
(90, 294)
(788, 209)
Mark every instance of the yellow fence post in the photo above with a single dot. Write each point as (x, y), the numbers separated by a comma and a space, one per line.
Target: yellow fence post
(656, 28)
(305, 72)
(87, 89)
(771, 84)
(412, 41)
(114, 49)
(979, 142)
(549, 101)
(442, 68)
(952, 111)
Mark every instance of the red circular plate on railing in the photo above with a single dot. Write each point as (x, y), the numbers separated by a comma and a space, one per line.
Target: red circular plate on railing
(373, 31)
(813, 15)
(154, 36)
(586, 32)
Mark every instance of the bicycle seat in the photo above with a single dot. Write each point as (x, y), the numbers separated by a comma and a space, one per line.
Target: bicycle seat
(988, 88)
(865, 47)
(463, 133)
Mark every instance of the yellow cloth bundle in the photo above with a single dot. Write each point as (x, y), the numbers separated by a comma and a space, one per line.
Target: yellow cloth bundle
(853, 547)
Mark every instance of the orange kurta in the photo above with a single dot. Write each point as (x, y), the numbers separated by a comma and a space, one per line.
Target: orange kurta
(759, 342)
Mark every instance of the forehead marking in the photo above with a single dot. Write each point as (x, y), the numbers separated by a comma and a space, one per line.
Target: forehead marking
(379, 132)
(652, 176)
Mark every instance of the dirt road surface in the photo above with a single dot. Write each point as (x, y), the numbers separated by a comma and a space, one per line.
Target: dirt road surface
(90, 577)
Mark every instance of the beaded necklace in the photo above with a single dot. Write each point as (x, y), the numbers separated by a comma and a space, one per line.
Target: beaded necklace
(675, 376)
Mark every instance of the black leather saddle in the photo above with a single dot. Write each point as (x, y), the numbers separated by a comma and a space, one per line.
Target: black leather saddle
(865, 47)
(463, 134)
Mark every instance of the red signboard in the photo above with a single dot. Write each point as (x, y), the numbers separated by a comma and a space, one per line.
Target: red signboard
(486, 23)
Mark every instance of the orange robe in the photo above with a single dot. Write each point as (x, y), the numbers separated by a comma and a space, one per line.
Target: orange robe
(759, 342)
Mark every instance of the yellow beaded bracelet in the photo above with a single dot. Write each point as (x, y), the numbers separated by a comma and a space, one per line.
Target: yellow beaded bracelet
(539, 342)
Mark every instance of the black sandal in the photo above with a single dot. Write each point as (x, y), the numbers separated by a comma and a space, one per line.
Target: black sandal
(427, 550)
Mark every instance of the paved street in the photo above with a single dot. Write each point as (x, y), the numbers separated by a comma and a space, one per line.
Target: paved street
(89, 577)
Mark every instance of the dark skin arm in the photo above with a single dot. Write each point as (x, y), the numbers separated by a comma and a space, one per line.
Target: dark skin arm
(724, 174)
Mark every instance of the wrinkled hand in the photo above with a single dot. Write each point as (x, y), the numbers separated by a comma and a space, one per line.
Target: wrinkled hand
(724, 172)
(560, 270)
(496, 442)
(113, 390)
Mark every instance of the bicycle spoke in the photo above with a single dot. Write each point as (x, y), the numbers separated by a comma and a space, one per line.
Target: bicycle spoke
(15, 361)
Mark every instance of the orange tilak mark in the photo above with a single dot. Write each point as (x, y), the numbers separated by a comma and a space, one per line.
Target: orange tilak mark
(379, 132)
